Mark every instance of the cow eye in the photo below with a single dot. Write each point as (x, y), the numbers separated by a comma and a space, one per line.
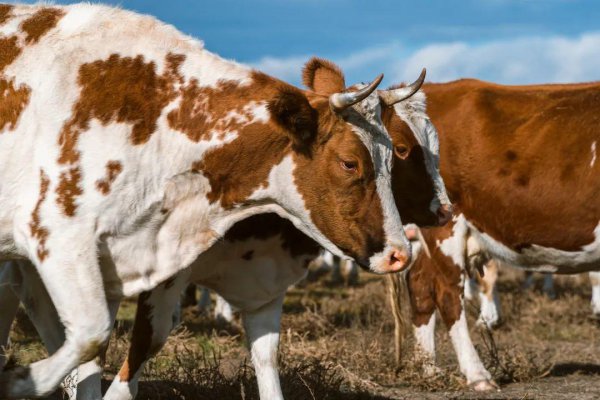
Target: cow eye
(402, 151)
(350, 166)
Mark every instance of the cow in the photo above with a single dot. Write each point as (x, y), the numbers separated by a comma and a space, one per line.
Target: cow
(520, 167)
(264, 254)
(144, 148)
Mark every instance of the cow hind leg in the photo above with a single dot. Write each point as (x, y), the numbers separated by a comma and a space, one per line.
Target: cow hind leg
(223, 311)
(262, 330)
(489, 314)
(151, 328)
(9, 304)
(74, 283)
(595, 281)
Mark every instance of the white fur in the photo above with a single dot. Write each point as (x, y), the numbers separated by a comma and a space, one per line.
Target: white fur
(468, 359)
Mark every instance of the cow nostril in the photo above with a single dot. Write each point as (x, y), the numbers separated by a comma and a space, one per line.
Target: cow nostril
(398, 256)
(444, 213)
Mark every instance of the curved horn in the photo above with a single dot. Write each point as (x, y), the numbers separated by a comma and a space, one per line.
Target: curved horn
(393, 96)
(341, 101)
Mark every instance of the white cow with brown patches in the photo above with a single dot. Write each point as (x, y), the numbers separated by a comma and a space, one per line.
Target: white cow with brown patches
(143, 148)
(272, 254)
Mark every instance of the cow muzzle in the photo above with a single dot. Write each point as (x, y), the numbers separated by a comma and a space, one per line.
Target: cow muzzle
(392, 259)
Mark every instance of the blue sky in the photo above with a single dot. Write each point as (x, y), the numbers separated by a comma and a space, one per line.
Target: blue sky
(506, 41)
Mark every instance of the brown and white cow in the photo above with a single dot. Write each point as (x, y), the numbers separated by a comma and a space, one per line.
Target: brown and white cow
(520, 166)
(262, 255)
(142, 148)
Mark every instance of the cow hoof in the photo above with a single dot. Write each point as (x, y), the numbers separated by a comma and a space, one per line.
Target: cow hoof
(484, 385)
(491, 323)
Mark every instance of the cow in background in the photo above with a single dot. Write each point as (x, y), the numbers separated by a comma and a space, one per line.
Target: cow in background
(520, 166)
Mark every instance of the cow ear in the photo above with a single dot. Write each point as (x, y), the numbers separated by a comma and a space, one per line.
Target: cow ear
(323, 76)
(292, 112)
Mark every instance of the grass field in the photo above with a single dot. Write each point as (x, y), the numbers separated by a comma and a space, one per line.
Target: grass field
(337, 343)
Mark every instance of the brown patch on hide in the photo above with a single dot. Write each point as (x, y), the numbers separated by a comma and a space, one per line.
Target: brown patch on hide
(68, 190)
(40, 23)
(113, 169)
(39, 232)
(119, 89)
(5, 10)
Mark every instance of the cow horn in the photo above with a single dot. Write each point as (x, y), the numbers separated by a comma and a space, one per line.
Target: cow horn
(341, 101)
(393, 96)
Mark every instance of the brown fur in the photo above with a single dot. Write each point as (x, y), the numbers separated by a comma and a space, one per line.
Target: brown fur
(68, 190)
(118, 89)
(141, 339)
(9, 51)
(12, 99)
(435, 282)
(12, 103)
(323, 76)
(517, 163)
(5, 11)
(40, 23)
(39, 232)
(113, 169)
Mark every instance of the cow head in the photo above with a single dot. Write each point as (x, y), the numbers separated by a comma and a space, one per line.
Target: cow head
(418, 186)
(343, 171)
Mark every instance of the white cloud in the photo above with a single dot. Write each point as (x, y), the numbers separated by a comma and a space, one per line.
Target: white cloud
(512, 61)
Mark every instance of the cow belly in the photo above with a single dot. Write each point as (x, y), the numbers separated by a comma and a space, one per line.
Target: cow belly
(544, 259)
(250, 273)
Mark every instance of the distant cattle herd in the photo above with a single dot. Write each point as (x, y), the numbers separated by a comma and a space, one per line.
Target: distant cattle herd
(134, 162)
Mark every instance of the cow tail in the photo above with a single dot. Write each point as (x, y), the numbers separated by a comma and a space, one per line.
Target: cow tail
(400, 301)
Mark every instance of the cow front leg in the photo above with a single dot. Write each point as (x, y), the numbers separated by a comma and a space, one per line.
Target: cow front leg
(262, 330)
(151, 328)
(595, 281)
(74, 282)
(450, 304)
(9, 304)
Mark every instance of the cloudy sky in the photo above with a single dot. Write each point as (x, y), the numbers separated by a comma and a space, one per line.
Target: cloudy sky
(506, 41)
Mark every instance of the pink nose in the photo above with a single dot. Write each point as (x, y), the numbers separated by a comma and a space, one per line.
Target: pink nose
(397, 261)
(444, 214)
(411, 232)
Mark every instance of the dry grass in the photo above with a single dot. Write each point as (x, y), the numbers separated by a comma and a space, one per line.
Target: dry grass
(337, 343)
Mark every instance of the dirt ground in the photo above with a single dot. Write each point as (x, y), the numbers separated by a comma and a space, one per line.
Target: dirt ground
(337, 343)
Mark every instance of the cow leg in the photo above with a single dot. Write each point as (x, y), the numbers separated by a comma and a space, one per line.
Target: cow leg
(548, 287)
(204, 300)
(262, 330)
(151, 328)
(73, 280)
(471, 288)
(423, 316)
(223, 310)
(83, 382)
(529, 281)
(89, 375)
(9, 304)
(595, 281)
(351, 270)
(489, 314)
(451, 307)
